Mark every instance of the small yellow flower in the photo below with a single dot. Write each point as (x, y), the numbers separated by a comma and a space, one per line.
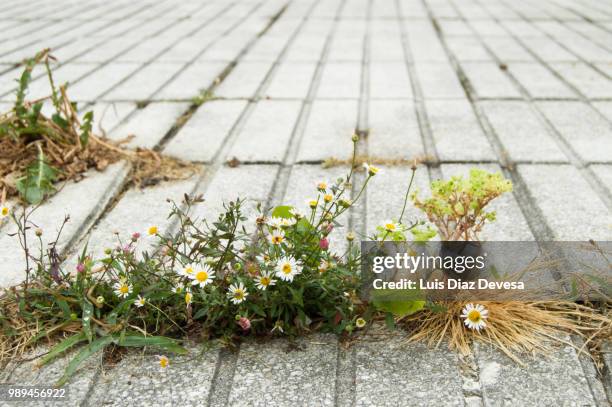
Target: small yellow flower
(152, 231)
(328, 197)
(390, 226)
(188, 297)
(370, 169)
(4, 212)
(322, 186)
(312, 203)
(164, 362)
(360, 323)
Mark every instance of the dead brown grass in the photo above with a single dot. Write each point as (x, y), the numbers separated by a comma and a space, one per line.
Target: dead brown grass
(514, 327)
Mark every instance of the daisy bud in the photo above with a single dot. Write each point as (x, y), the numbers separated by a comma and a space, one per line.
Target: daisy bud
(345, 203)
(350, 236)
(328, 197)
(360, 323)
(324, 243)
(312, 203)
(108, 251)
(38, 232)
(355, 137)
(329, 227)
(100, 300)
(322, 186)
(80, 268)
(135, 236)
(73, 316)
(244, 323)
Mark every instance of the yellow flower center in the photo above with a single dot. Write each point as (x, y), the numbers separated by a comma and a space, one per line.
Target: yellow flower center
(189, 270)
(152, 230)
(390, 226)
(286, 268)
(163, 362)
(5, 211)
(474, 316)
(322, 185)
(265, 281)
(124, 289)
(277, 239)
(239, 294)
(202, 276)
(312, 204)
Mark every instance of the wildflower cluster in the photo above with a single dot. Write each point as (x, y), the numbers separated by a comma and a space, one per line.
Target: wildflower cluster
(273, 273)
(457, 206)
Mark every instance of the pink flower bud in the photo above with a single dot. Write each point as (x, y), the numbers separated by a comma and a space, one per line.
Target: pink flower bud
(244, 323)
(80, 268)
(135, 236)
(329, 228)
(324, 243)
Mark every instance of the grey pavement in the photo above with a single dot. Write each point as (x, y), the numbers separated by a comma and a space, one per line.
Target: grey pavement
(514, 86)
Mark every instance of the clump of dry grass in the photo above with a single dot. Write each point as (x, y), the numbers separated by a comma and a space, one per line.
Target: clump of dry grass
(514, 327)
(64, 144)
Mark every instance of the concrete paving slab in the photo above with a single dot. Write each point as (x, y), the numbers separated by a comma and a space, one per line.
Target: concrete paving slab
(523, 136)
(137, 380)
(555, 380)
(328, 130)
(582, 128)
(273, 375)
(567, 202)
(386, 374)
(149, 125)
(456, 132)
(389, 80)
(394, 131)
(202, 136)
(489, 81)
(539, 82)
(265, 135)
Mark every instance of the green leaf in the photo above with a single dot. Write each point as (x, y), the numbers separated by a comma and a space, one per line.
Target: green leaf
(64, 307)
(38, 181)
(389, 320)
(304, 225)
(398, 302)
(59, 120)
(139, 341)
(86, 128)
(297, 296)
(86, 318)
(62, 347)
(282, 211)
(85, 353)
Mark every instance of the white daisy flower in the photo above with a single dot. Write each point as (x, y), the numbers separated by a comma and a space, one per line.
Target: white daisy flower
(275, 222)
(264, 280)
(390, 226)
(287, 268)
(296, 213)
(188, 271)
(177, 289)
(237, 293)
(370, 169)
(286, 222)
(122, 289)
(475, 316)
(140, 301)
(204, 275)
(263, 259)
(277, 237)
(360, 323)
